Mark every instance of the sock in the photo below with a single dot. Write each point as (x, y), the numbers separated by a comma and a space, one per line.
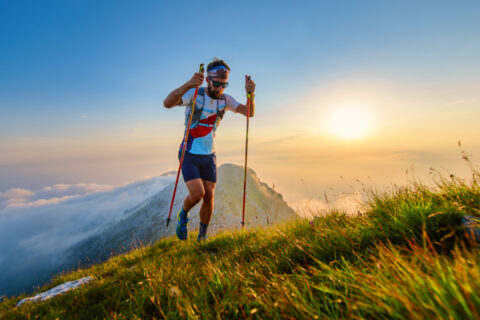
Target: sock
(183, 214)
(202, 232)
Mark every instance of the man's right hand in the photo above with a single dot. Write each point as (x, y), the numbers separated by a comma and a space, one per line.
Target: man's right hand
(175, 97)
(196, 80)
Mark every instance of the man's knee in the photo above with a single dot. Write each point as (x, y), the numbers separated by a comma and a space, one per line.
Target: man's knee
(196, 190)
(197, 195)
(209, 195)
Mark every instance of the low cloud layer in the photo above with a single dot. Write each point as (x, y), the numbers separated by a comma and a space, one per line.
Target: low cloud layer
(18, 197)
(350, 204)
(37, 225)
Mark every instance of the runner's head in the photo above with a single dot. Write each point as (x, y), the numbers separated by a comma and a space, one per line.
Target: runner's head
(217, 77)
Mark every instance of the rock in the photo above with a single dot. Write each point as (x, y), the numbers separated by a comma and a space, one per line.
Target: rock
(60, 289)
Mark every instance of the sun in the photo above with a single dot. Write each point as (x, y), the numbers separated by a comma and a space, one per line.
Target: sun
(348, 122)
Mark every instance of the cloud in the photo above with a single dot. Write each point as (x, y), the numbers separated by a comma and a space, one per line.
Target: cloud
(463, 101)
(350, 204)
(17, 193)
(37, 226)
(48, 195)
(14, 196)
(284, 138)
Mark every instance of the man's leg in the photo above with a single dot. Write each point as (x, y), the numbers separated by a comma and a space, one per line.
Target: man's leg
(196, 192)
(206, 210)
(208, 172)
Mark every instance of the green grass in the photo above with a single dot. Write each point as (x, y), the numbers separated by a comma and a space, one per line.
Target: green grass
(406, 257)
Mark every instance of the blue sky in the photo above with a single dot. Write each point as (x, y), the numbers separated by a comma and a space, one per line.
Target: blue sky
(92, 69)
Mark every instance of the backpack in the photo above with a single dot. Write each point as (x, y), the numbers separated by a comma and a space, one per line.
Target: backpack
(197, 113)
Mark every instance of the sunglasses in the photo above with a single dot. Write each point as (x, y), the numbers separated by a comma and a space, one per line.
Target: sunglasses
(217, 84)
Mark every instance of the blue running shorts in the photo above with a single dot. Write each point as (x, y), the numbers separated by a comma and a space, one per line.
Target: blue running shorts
(196, 166)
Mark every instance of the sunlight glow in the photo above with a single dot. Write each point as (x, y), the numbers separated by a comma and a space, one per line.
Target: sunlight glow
(348, 122)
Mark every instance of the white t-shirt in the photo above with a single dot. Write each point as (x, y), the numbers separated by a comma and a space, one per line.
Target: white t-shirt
(201, 135)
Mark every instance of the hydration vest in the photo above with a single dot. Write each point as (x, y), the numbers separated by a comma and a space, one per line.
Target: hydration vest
(197, 110)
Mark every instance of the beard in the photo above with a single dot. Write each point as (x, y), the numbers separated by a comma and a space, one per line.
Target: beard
(212, 94)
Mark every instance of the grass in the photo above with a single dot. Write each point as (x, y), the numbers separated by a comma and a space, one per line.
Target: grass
(406, 257)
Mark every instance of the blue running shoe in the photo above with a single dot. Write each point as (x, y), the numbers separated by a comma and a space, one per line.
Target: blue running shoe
(182, 229)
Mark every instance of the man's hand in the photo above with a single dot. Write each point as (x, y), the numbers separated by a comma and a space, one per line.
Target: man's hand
(196, 80)
(250, 88)
(249, 85)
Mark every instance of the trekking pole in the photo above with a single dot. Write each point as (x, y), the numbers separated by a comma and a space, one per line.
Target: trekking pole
(249, 96)
(184, 147)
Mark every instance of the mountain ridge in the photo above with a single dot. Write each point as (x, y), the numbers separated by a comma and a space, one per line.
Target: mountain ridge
(146, 222)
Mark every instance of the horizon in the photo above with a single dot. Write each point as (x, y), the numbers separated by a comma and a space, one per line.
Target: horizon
(48, 197)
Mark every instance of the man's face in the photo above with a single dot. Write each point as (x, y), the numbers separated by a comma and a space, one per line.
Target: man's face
(215, 92)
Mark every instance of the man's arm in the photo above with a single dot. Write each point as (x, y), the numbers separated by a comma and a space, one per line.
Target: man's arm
(175, 97)
(243, 108)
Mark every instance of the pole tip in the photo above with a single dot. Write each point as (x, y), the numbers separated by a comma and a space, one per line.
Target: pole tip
(168, 222)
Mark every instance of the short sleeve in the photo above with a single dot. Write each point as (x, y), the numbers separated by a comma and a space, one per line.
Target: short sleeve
(231, 103)
(187, 98)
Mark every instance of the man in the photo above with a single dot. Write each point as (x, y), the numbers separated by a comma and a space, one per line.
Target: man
(199, 168)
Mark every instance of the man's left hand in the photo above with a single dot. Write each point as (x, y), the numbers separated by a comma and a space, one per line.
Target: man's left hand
(249, 85)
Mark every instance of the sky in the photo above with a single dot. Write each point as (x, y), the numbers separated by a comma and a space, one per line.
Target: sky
(82, 85)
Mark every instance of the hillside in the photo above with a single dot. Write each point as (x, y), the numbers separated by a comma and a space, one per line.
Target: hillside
(407, 257)
(41, 241)
(146, 223)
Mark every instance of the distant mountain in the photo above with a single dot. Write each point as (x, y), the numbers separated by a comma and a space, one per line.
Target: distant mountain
(146, 222)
